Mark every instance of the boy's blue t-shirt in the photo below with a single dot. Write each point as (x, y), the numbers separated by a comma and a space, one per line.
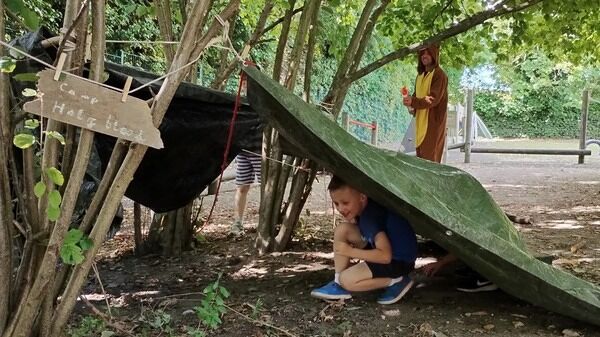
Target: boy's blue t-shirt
(376, 218)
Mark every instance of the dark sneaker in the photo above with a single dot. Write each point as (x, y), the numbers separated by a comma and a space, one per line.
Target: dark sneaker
(477, 285)
(395, 292)
(331, 291)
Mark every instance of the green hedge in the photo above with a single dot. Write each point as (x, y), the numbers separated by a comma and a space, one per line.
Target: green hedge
(536, 116)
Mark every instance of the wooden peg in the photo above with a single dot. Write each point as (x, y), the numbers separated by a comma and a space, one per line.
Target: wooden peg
(126, 88)
(60, 65)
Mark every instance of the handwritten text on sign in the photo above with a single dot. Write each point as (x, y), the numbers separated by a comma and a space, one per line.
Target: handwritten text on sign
(93, 107)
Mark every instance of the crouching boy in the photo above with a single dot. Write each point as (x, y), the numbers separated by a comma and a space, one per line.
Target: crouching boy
(382, 239)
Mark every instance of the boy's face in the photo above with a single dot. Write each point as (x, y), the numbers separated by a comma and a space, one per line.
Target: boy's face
(349, 202)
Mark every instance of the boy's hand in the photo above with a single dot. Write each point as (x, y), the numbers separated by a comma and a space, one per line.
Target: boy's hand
(342, 248)
(432, 268)
(429, 99)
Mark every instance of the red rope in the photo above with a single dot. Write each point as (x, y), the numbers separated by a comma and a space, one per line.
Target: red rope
(236, 107)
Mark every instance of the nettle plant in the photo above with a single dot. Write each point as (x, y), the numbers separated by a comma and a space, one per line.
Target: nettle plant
(75, 242)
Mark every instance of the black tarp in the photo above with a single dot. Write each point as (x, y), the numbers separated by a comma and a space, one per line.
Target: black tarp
(194, 132)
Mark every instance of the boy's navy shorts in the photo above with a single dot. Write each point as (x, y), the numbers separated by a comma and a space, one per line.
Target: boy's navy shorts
(394, 269)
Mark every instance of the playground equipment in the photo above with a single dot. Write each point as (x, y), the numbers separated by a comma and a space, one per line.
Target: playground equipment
(468, 147)
(346, 121)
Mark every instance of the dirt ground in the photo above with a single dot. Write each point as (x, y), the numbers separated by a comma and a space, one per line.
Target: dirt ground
(557, 193)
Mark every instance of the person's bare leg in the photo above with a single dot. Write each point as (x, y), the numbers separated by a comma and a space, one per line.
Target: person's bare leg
(360, 278)
(240, 200)
(346, 233)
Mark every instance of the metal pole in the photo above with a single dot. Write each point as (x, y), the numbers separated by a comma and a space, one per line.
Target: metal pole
(345, 121)
(374, 134)
(585, 105)
(469, 126)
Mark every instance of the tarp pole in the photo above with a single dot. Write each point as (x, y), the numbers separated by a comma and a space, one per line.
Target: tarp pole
(374, 133)
(469, 126)
(585, 105)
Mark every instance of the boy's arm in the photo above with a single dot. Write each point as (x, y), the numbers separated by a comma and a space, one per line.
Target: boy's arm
(381, 254)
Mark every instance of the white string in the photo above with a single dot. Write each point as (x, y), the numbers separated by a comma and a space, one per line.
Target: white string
(275, 160)
(211, 43)
(142, 42)
(594, 100)
(54, 68)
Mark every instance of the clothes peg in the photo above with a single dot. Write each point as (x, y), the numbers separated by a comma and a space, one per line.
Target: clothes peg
(60, 65)
(126, 88)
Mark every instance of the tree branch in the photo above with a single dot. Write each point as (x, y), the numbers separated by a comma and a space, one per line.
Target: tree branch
(280, 20)
(461, 27)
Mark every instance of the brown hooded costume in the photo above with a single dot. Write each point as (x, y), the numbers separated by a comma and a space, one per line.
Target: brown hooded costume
(432, 146)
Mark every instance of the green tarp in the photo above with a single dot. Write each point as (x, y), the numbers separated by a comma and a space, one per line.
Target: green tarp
(442, 202)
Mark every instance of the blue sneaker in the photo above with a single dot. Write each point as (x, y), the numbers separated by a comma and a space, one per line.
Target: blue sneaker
(331, 291)
(395, 292)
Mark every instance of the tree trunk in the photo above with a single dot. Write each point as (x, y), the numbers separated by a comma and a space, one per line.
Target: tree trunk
(185, 53)
(163, 15)
(302, 180)
(137, 227)
(173, 231)
(276, 182)
(271, 169)
(6, 218)
(227, 68)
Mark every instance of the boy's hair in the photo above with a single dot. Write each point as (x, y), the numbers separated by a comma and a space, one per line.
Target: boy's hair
(336, 183)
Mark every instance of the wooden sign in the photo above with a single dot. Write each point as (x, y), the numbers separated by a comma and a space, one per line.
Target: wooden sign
(96, 108)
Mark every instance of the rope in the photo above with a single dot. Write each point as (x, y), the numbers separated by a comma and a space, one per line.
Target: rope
(210, 44)
(228, 144)
(277, 161)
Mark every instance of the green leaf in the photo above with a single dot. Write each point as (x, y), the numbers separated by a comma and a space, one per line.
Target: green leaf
(39, 189)
(30, 18)
(7, 64)
(71, 254)
(224, 292)
(73, 236)
(56, 135)
(32, 124)
(86, 243)
(26, 77)
(23, 140)
(54, 199)
(53, 213)
(55, 175)
(28, 92)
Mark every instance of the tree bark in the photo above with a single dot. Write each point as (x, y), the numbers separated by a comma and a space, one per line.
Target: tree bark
(6, 217)
(283, 38)
(165, 25)
(184, 54)
(295, 203)
(223, 75)
(310, 54)
(337, 89)
(137, 227)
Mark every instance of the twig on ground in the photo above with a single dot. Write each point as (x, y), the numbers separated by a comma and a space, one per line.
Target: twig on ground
(102, 288)
(252, 320)
(115, 325)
